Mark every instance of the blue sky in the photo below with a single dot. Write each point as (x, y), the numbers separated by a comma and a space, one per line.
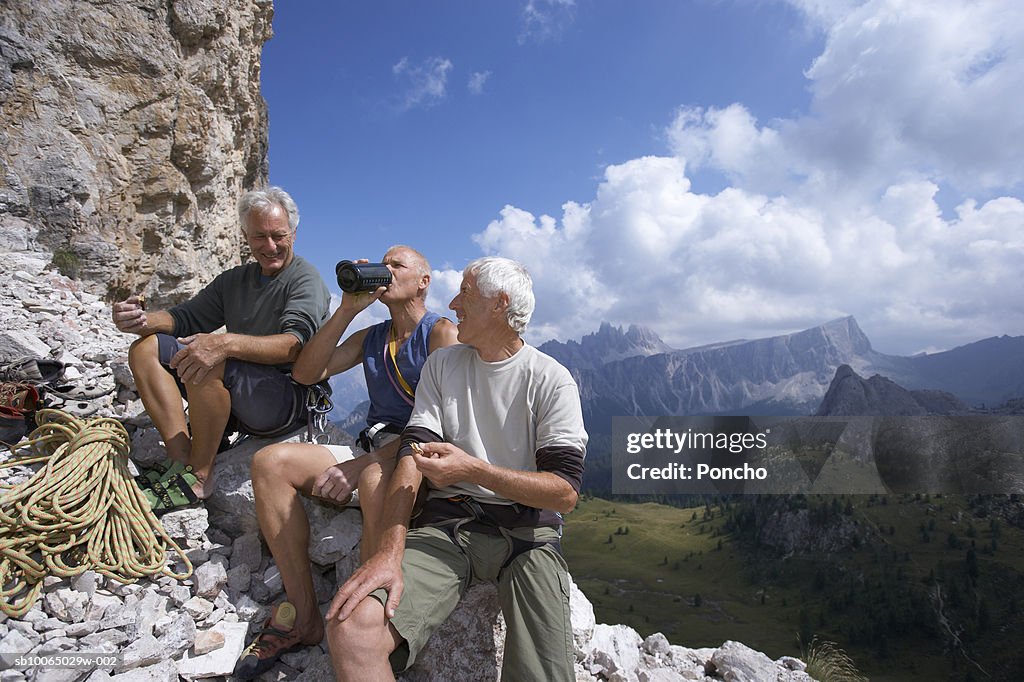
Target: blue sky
(713, 169)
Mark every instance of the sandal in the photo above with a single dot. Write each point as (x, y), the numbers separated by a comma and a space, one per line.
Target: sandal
(153, 474)
(173, 492)
(274, 639)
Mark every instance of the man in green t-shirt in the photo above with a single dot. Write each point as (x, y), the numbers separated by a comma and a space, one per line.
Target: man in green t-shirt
(270, 308)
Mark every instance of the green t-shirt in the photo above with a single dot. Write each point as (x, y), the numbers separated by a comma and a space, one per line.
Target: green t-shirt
(295, 302)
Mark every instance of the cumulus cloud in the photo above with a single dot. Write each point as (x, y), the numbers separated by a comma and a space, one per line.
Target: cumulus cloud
(545, 19)
(829, 213)
(425, 84)
(477, 81)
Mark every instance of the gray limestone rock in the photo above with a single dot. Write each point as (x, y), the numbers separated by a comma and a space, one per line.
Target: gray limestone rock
(469, 644)
(179, 635)
(16, 643)
(333, 534)
(210, 578)
(198, 608)
(616, 648)
(186, 523)
(247, 551)
(220, 661)
(207, 641)
(142, 652)
(129, 131)
(164, 671)
(739, 663)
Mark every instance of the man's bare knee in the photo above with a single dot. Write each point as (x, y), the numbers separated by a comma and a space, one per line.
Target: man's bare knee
(365, 632)
(143, 350)
(271, 462)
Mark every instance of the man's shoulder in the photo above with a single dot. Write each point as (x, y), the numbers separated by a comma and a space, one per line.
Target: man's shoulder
(238, 271)
(300, 267)
(546, 364)
(450, 357)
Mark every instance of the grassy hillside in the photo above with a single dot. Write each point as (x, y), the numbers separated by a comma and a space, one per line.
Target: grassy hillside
(926, 588)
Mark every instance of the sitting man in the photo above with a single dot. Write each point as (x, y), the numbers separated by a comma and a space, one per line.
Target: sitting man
(270, 308)
(497, 430)
(392, 354)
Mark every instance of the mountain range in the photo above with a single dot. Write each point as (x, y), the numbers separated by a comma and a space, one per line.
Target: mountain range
(630, 374)
(633, 372)
(779, 375)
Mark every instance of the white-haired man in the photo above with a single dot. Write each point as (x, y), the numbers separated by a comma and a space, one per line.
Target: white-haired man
(497, 431)
(392, 354)
(270, 308)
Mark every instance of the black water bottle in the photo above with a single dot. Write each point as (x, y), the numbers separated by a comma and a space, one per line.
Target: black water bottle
(356, 277)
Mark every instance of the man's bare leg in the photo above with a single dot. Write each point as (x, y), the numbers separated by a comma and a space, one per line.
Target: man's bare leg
(209, 407)
(161, 397)
(373, 484)
(279, 473)
(361, 644)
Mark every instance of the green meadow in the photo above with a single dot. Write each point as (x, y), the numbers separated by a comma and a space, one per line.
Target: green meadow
(930, 587)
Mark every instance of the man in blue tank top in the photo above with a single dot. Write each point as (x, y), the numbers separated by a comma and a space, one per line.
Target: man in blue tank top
(392, 354)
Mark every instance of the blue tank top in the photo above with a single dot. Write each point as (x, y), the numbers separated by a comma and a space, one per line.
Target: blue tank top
(388, 401)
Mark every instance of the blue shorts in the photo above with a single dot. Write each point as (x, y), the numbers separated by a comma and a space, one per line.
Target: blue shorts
(264, 400)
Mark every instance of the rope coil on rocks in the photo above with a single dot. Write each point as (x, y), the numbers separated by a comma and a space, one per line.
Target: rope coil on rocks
(81, 511)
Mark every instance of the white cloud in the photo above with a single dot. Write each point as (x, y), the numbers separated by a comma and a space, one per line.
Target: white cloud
(477, 81)
(546, 19)
(425, 84)
(830, 213)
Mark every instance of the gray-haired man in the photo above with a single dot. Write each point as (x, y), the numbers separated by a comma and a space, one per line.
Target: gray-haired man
(270, 308)
(497, 431)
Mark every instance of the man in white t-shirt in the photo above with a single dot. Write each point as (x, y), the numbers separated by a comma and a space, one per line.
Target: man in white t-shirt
(497, 431)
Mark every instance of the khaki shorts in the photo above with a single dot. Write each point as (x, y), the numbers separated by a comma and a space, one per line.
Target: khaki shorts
(344, 453)
(533, 590)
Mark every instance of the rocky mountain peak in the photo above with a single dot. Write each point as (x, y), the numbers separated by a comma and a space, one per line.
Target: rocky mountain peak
(849, 394)
(846, 334)
(608, 344)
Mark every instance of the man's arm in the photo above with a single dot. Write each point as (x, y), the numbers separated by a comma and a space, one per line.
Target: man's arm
(203, 352)
(444, 464)
(130, 317)
(338, 481)
(443, 334)
(322, 357)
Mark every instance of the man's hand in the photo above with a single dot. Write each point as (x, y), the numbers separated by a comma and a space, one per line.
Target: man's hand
(354, 303)
(202, 352)
(337, 482)
(444, 464)
(384, 569)
(129, 316)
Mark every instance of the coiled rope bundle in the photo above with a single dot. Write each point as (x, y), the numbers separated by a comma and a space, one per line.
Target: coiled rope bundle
(81, 511)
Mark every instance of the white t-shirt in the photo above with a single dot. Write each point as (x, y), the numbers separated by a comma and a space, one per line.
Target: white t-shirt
(501, 412)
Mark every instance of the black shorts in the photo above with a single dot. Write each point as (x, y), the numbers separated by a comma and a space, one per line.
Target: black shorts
(264, 400)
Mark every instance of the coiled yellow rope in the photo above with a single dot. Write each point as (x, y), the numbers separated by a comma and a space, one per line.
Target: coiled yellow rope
(81, 511)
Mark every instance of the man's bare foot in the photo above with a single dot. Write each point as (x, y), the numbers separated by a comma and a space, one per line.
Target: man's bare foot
(205, 485)
(310, 632)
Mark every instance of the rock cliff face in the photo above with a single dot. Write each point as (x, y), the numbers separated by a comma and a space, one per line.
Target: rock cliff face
(127, 133)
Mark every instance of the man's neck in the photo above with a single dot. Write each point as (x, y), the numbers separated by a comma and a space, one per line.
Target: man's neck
(500, 347)
(405, 316)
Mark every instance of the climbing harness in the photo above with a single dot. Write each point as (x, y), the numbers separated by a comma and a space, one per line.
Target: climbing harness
(463, 511)
(318, 405)
(80, 511)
